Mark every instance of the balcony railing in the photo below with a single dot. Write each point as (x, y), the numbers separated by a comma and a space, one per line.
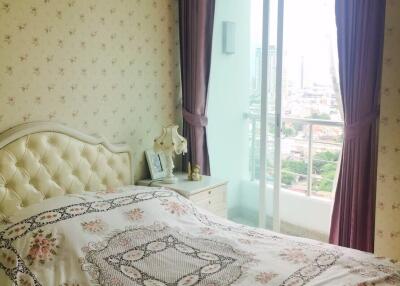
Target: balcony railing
(311, 150)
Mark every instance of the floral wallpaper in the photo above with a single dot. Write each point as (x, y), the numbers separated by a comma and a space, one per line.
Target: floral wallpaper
(101, 66)
(387, 230)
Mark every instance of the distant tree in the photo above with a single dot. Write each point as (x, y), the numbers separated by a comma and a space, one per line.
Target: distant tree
(326, 182)
(288, 132)
(325, 158)
(323, 186)
(326, 168)
(288, 179)
(295, 166)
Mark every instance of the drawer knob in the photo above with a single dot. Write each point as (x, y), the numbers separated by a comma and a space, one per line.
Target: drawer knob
(209, 192)
(209, 202)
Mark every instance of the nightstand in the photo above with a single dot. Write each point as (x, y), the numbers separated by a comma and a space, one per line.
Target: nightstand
(209, 193)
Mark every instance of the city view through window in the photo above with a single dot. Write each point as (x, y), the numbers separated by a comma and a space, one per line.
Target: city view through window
(312, 128)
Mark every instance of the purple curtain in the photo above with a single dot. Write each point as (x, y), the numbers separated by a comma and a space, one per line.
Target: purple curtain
(196, 21)
(360, 30)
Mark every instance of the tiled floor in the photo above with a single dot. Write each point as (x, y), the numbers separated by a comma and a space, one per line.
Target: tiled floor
(290, 229)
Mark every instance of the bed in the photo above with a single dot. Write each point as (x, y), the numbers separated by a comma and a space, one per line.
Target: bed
(71, 215)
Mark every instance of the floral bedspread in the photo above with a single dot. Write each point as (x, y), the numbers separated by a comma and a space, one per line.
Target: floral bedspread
(153, 237)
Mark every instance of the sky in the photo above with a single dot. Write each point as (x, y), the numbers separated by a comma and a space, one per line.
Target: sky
(309, 33)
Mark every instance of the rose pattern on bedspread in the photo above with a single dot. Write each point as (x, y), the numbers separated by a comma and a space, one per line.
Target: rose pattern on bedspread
(265, 277)
(294, 255)
(43, 247)
(96, 225)
(150, 236)
(175, 208)
(134, 214)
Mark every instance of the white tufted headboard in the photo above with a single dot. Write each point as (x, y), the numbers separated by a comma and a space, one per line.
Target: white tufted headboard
(41, 160)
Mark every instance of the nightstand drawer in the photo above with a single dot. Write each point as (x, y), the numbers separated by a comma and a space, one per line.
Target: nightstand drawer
(213, 200)
(209, 193)
(217, 209)
(214, 194)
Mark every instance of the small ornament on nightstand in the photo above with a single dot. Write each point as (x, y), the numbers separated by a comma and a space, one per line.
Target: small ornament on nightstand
(195, 174)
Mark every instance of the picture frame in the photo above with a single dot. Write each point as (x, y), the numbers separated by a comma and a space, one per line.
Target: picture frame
(157, 164)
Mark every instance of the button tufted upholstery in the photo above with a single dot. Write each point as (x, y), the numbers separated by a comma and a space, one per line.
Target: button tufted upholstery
(42, 165)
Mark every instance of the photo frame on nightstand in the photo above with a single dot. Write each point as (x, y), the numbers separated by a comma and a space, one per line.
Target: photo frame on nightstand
(157, 164)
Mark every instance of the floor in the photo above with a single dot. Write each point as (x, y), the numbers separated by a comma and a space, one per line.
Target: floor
(289, 229)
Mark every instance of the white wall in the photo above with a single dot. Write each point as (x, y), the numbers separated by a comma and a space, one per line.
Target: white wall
(227, 130)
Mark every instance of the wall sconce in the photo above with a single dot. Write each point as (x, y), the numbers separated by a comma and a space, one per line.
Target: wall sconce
(228, 37)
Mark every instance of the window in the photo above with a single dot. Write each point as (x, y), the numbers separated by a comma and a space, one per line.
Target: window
(285, 95)
(312, 124)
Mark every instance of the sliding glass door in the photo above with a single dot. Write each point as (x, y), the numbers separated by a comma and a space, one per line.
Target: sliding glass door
(312, 123)
(275, 125)
(270, 115)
